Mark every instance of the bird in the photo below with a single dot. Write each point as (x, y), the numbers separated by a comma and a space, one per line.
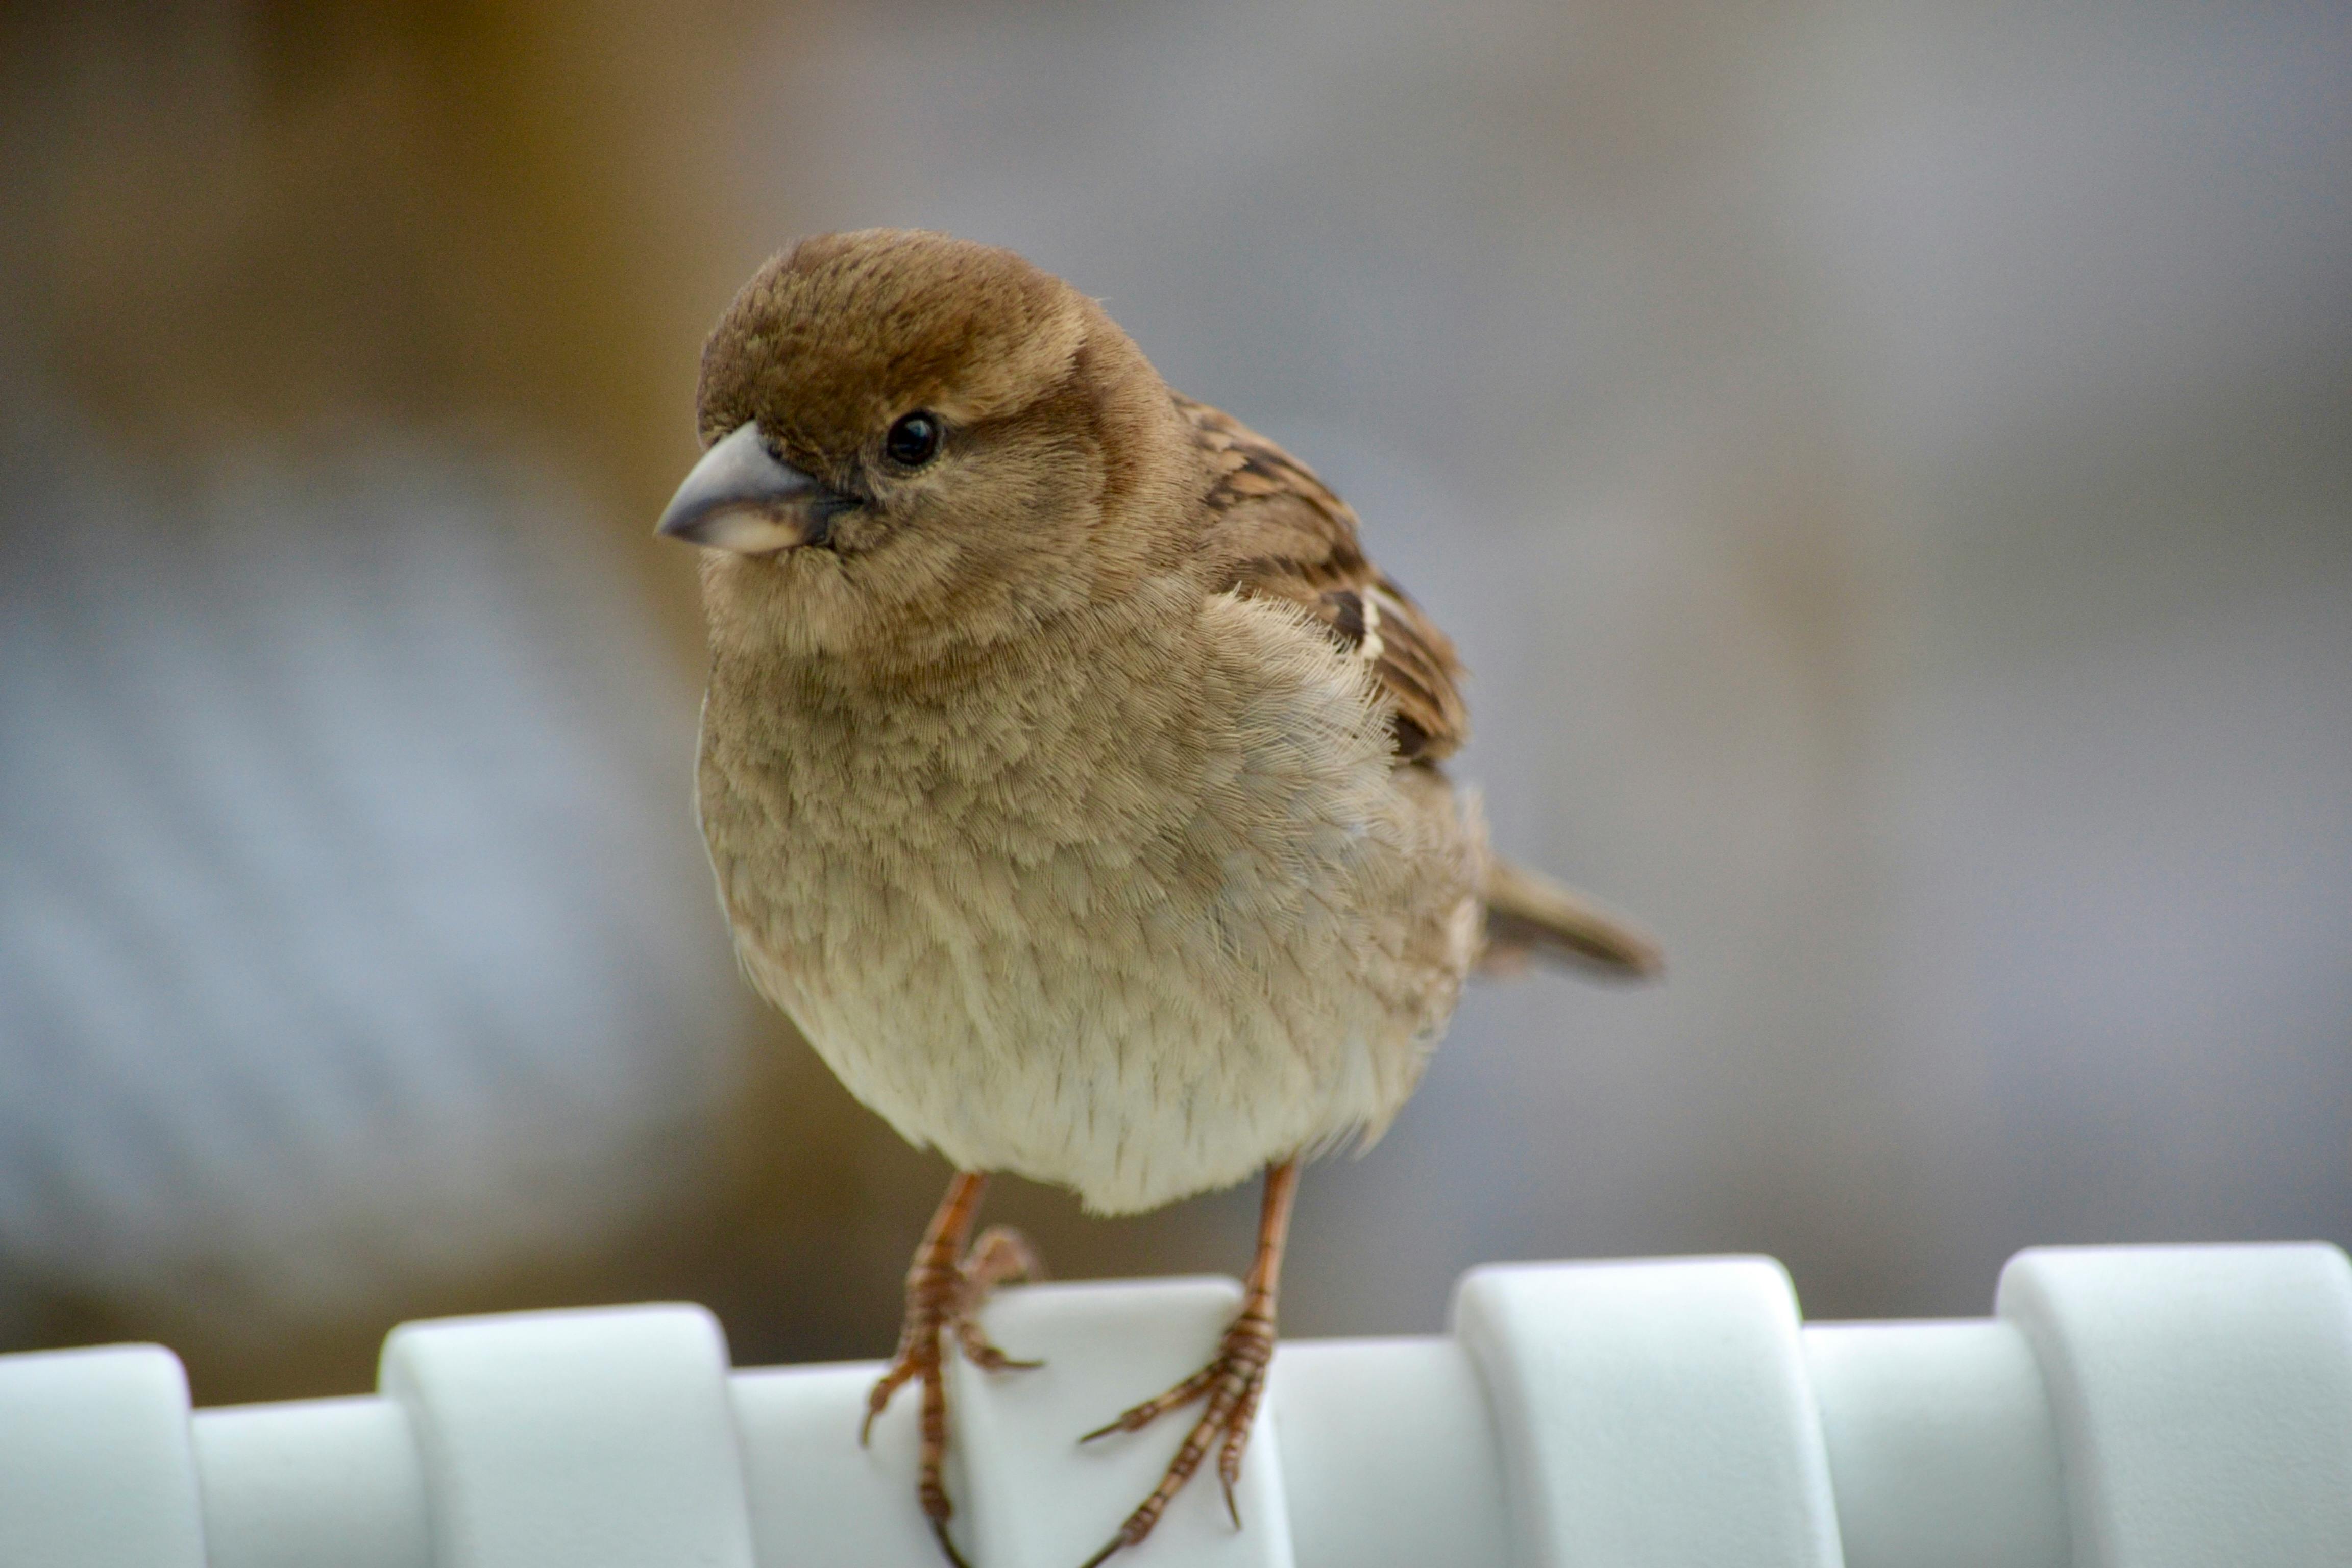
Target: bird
(1072, 779)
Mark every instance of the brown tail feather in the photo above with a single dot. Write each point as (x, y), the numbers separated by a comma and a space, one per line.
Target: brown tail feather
(1528, 914)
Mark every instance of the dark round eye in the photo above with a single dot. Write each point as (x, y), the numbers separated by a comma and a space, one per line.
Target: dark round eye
(914, 440)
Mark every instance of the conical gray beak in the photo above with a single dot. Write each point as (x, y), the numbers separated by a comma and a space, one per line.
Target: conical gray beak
(742, 497)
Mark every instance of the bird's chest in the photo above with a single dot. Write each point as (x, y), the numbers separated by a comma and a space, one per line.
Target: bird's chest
(977, 880)
(1099, 930)
(957, 844)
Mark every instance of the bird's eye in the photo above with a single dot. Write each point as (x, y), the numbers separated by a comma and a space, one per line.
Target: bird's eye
(914, 440)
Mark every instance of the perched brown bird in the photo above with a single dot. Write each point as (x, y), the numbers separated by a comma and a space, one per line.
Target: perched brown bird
(1071, 777)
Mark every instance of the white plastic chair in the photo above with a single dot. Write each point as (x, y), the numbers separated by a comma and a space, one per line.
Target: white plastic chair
(2123, 1407)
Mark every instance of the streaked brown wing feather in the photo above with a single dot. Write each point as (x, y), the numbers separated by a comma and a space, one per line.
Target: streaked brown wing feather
(1284, 535)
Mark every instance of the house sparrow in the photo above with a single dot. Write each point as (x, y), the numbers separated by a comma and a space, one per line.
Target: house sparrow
(1071, 777)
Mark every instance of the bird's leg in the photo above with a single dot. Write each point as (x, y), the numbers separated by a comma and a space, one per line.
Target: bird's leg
(945, 1287)
(1232, 1382)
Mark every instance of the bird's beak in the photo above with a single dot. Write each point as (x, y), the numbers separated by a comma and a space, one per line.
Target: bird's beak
(742, 497)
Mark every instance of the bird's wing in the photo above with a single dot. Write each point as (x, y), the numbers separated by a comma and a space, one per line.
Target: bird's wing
(1284, 535)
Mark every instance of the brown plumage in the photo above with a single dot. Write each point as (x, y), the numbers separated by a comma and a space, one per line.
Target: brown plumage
(1070, 775)
(1282, 534)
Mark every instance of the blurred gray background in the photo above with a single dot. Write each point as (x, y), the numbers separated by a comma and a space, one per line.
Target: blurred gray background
(1889, 468)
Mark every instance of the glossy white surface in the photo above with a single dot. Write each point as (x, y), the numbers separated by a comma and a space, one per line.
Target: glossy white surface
(282, 1481)
(1652, 1413)
(2202, 1398)
(1940, 1438)
(2128, 1407)
(95, 1470)
(602, 1438)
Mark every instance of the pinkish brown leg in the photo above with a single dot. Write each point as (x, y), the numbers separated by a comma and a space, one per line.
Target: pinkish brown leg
(1232, 1382)
(945, 1288)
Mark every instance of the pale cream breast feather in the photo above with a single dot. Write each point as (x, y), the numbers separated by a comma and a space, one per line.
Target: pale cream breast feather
(1135, 909)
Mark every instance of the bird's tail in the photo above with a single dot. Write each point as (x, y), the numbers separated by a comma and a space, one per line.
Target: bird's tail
(1530, 915)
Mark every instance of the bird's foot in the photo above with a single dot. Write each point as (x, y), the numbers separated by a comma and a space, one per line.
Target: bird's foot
(944, 1294)
(1232, 1384)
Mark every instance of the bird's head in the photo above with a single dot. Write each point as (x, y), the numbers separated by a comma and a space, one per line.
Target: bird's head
(915, 443)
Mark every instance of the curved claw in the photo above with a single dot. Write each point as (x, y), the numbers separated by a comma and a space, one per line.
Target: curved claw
(948, 1545)
(984, 1355)
(902, 1372)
